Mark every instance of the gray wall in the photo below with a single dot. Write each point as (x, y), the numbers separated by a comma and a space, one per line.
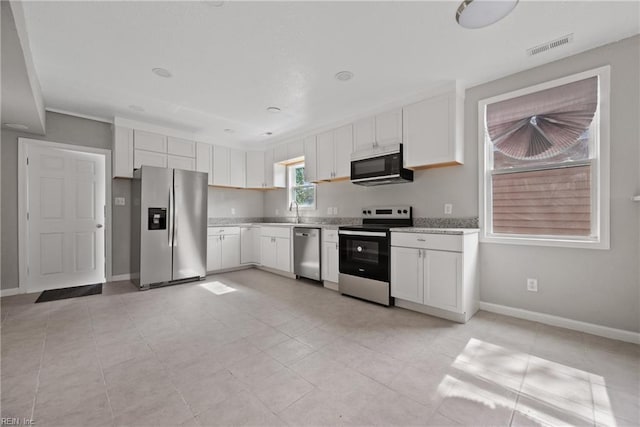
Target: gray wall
(60, 128)
(428, 193)
(595, 286)
(247, 203)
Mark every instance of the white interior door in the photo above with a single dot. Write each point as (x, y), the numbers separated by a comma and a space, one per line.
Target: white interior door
(66, 217)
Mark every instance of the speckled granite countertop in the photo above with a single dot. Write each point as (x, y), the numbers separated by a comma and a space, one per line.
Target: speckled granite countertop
(276, 224)
(458, 231)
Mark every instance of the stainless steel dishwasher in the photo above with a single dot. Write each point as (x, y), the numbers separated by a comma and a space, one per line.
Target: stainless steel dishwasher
(306, 252)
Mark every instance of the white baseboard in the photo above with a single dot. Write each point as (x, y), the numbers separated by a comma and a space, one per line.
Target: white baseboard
(9, 292)
(563, 322)
(119, 277)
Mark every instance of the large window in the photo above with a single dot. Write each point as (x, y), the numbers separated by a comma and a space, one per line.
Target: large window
(301, 192)
(544, 162)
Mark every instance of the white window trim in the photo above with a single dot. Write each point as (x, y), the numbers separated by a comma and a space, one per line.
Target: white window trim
(290, 187)
(600, 170)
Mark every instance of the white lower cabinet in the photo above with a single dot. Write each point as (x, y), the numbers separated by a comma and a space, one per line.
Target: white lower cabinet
(406, 274)
(275, 248)
(435, 271)
(223, 248)
(250, 245)
(330, 255)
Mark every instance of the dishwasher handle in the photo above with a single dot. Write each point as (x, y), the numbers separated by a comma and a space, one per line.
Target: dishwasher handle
(298, 234)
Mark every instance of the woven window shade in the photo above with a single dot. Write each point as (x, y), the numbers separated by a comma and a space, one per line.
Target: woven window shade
(543, 124)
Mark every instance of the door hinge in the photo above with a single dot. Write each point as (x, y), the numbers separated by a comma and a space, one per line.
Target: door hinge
(27, 216)
(27, 161)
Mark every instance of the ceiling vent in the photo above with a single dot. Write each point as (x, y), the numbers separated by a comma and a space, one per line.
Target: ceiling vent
(550, 45)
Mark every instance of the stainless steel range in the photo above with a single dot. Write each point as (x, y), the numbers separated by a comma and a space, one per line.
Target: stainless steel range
(364, 253)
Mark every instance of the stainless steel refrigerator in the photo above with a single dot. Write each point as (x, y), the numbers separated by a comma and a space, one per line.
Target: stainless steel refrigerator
(169, 226)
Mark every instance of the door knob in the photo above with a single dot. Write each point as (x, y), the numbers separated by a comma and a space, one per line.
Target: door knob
(98, 225)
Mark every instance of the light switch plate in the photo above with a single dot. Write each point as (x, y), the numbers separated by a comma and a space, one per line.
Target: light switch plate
(233, 211)
(448, 208)
(329, 209)
(119, 201)
(335, 211)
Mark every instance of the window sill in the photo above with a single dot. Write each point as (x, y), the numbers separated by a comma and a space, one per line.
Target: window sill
(576, 243)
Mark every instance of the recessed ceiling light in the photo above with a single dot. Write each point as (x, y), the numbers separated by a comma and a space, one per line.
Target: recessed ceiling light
(214, 3)
(16, 126)
(136, 108)
(344, 76)
(481, 13)
(162, 72)
(273, 109)
(229, 130)
(268, 133)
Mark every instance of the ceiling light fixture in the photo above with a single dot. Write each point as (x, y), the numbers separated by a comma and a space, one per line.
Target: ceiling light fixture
(136, 108)
(273, 109)
(481, 13)
(268, 133)
(16, 126)
(162, 72)
(227, 130)
(214, 3)
(344, 76)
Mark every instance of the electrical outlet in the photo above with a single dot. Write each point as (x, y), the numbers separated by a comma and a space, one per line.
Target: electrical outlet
(448, 208)
(532, 285)
(233, 211)
(119, 201)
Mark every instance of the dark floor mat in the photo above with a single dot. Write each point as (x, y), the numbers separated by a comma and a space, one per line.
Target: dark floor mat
(73, 292)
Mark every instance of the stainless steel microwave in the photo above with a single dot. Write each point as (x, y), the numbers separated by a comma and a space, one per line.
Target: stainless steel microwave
(379, 166)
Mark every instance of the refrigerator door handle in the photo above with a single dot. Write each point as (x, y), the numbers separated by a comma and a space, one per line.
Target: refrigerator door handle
(170, 215)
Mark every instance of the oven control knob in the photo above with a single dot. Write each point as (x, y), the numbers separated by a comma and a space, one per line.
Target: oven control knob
(404, 211)
(369, 212)
(359, 249)
(364, 212)
(399, 211)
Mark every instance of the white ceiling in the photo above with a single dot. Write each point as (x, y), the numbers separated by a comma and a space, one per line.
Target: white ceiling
(22, 102)
(229, 63)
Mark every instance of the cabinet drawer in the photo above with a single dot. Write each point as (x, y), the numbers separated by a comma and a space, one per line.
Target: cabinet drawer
(149, 141)
(212, 231)
(284, 232)
(330, 236)
(181, 147)
(440, 242)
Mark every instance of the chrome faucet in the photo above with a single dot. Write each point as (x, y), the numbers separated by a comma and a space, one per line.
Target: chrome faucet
(297, 211)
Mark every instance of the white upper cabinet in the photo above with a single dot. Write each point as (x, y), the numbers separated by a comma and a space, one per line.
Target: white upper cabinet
(333, 153)
(256, 177)
(275, 173)
(149, 158)
(181, 147)
(389, 127)
(149, 141)
(364, 134)
(343, 147)
(383, 129)
(280, 153)
(220, 166)
(122, 152)
(295, 149)
(310, 159)
(433, 133)
(179, 162)
(237, 168)
(324, 156)
(203, 159)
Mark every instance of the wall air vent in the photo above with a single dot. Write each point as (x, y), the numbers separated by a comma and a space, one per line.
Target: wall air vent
(550, 45)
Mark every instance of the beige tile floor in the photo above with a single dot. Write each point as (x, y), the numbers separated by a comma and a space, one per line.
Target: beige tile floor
(252, 348)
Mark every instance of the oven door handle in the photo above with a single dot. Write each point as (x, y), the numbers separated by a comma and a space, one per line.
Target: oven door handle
(363, 233)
